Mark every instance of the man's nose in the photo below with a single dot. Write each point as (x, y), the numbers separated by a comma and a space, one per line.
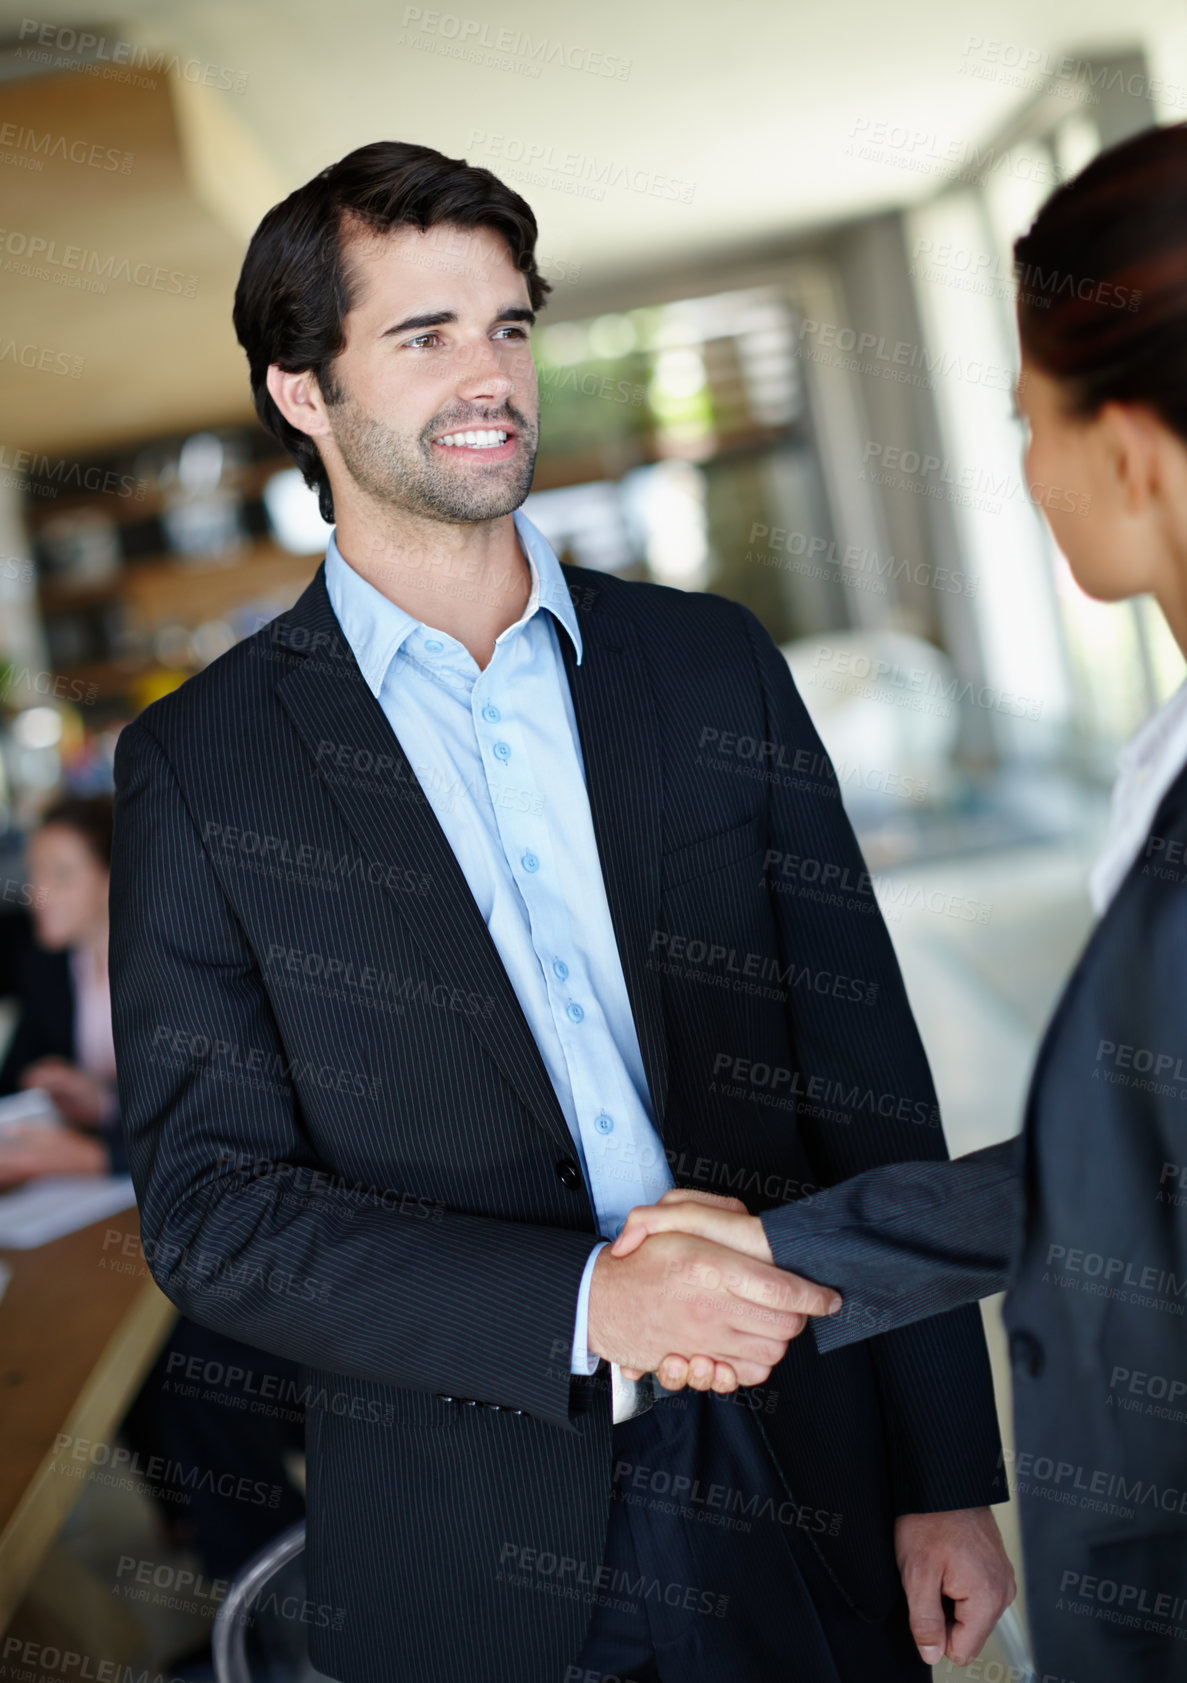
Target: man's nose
(481, 374)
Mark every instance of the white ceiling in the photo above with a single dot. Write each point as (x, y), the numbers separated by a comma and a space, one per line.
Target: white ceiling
(757, 107)
(755, 104)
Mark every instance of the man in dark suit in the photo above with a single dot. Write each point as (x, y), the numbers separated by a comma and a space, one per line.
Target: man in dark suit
(443, 934)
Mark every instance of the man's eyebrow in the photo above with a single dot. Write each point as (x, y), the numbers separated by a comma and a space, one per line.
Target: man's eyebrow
(438, 318)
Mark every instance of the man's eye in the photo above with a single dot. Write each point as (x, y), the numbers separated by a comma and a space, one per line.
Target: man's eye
(519, 332)
(421, 337)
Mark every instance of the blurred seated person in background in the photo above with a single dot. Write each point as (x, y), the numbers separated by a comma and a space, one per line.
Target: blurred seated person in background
(62, 1041)
(210, 1403)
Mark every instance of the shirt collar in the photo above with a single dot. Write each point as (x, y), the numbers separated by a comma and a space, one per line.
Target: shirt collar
(375, 627)
(1147, 766)
(1156, 748)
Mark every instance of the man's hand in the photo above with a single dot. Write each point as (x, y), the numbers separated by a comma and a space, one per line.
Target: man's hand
(725, 1221)
(677, 1292)
(959, 1555)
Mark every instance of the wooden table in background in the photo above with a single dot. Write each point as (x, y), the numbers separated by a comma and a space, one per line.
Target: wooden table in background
(81, 1323)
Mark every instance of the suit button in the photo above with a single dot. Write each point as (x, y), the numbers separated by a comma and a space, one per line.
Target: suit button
(568, 1174)
(441, 1397)
(1027, 1353)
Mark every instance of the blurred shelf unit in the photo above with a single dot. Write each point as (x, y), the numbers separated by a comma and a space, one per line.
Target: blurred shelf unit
(158, 557)
(615, 457)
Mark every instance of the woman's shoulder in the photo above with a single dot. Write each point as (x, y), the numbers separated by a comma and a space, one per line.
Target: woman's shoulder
(28, 969)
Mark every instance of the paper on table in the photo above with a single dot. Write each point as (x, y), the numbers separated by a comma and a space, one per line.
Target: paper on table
(52, 1205)
(33, 1107)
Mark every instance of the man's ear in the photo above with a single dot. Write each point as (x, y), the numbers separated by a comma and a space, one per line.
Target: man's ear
(299, 399)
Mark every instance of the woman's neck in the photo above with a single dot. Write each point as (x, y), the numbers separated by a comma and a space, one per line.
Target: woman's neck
(93, 946)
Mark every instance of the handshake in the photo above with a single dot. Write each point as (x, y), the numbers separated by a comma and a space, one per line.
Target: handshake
(689, 1291)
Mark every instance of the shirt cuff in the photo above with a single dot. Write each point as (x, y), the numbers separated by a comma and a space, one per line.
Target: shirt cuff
(582, 1361)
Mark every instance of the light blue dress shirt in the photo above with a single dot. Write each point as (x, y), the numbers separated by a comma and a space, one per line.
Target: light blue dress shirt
(499, 759)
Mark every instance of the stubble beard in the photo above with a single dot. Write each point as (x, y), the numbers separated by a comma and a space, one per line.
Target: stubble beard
(400, 473)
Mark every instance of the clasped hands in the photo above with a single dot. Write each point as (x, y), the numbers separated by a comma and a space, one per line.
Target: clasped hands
(694, 1273)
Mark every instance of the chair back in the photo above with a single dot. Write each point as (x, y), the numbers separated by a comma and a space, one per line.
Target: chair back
(277, 1650)
(1012, 1640)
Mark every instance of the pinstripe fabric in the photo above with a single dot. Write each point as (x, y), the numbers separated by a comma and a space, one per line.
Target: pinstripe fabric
(1096, 1308)
(529, 854)
(906, 1241)
(1082, 1218)
(340, 1157)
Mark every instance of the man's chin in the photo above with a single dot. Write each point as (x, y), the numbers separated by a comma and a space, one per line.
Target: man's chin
(477, 508)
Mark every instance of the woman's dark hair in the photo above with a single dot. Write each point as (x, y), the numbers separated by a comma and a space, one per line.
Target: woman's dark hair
(88, 816)
(1102, 280)
(295, 286)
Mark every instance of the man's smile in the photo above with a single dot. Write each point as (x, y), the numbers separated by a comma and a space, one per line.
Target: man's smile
(491, 444)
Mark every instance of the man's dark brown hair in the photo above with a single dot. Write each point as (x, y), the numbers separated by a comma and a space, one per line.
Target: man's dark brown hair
(296, 286)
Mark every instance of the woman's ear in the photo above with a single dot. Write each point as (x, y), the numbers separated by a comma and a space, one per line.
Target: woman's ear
(1133, 441)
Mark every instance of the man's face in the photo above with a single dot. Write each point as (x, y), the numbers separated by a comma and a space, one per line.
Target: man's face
(437, 345)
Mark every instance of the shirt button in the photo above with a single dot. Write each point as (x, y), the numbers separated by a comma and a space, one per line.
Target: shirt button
(560, 969)
(574, 1013)
(434, 645)
(603, 1123)
(491, 714)
(502, 751)
(530, 862)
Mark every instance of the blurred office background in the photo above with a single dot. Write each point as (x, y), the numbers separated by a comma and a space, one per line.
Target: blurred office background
(776, 364)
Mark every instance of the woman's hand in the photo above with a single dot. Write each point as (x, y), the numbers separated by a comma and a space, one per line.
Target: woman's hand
(707, 1214)
(82, 1099)
(27, 1152)
(710, 1215)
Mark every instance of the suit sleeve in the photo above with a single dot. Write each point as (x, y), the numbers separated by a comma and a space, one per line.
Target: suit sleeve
(23, 1048)
(905, 1241)
(403, 1294)
(16, 934)
(866, 1063)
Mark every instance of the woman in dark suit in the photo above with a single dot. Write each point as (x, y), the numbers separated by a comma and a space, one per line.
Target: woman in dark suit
(1084, 1216)
(218, 1415)
(62, 1040)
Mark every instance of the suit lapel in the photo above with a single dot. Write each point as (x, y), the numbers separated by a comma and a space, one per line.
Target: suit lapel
(619, 731)
(329, 702)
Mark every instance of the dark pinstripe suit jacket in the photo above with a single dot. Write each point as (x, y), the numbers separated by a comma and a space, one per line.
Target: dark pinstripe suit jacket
(347, 1150)
(1084, 1218)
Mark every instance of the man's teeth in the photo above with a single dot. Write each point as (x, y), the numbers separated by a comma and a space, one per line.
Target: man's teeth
(476, 440)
